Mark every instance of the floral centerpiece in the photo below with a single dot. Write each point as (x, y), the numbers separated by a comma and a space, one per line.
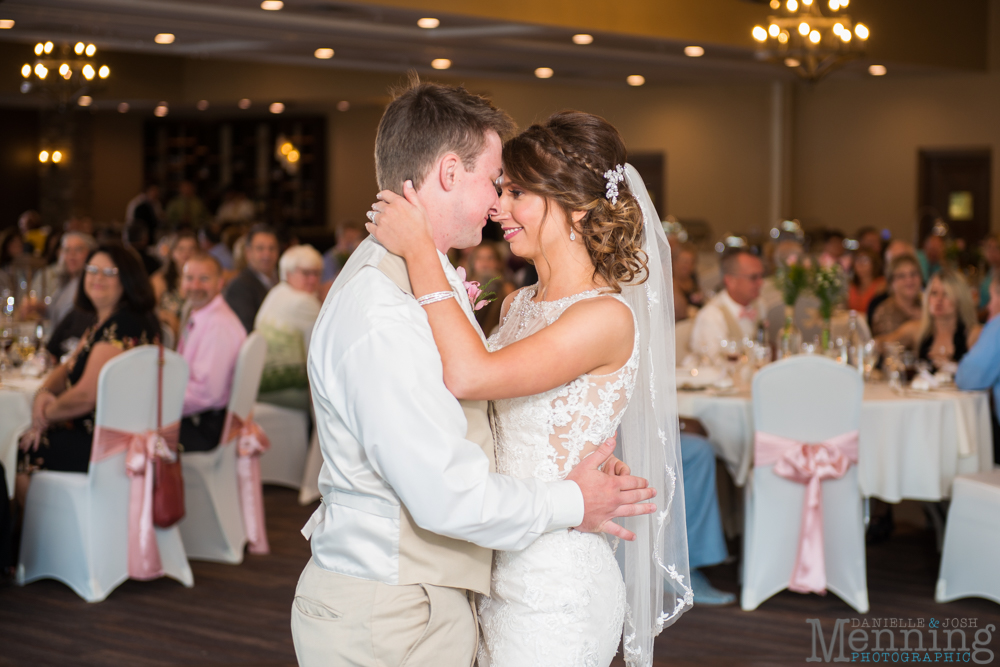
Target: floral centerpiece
(827, 283)
(791, 278)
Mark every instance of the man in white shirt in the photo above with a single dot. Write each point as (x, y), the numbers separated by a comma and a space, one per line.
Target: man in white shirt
(411, 506)
(733, 313)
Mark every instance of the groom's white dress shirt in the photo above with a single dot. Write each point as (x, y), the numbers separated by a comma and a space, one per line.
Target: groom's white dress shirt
(391, 433)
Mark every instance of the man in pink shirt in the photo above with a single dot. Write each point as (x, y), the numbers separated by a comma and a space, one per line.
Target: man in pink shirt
(210, 341)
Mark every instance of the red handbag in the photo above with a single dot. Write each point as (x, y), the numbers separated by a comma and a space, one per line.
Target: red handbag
(168, 476)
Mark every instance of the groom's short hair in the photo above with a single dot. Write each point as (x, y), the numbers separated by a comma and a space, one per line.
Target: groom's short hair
(427, 120)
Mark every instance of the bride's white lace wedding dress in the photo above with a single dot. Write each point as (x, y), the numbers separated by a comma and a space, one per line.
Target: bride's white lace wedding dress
(561, 601)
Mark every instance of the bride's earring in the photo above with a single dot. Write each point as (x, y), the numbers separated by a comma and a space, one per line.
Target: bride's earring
(572, 236)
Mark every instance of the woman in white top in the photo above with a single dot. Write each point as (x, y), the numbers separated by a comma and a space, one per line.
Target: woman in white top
(576, 356)
(286, 319)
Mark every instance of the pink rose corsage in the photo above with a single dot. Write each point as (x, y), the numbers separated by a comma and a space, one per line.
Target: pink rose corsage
(477, 297)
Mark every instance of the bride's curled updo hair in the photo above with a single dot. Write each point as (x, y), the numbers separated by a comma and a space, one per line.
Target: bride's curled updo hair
(564, 161)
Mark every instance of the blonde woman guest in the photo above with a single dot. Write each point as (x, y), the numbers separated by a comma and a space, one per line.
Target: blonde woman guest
(898, 317)
(286, 319)
(948, 325)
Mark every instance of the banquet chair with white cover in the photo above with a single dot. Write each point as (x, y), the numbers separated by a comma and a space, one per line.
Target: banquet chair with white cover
(288, 431)
(213, 526)
(971, 540)
(76, 525)
(16, 420)
(805, 399)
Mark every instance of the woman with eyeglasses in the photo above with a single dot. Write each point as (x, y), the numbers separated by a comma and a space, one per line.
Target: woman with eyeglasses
(286, 319)
(117, 292)
(898, 317)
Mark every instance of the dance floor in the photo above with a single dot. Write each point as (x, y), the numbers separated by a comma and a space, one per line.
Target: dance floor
(238, 615)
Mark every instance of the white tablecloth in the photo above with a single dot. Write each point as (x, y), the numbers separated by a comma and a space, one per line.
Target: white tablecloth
(910, 446)
(15, 417)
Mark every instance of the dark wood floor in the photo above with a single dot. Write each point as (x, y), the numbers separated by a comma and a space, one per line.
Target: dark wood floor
(239, 615)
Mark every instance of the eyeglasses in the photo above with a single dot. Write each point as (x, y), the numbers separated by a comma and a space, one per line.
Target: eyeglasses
(109, 272)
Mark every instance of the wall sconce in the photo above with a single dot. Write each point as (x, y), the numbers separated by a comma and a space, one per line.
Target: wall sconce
(46, 156)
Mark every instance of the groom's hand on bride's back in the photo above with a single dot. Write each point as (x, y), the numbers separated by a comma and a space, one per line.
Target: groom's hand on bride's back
(608, 496)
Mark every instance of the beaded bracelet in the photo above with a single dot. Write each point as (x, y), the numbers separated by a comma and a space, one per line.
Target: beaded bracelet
(434, 297)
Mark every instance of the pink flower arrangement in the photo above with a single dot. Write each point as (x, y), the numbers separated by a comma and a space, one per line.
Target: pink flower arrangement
(474, 290)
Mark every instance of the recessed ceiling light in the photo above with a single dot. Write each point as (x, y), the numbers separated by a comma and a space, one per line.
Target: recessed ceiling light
(792, 62)
(323, 54)
(244, 103)
(123, 107)
(583, 38)
(90, 50)
(343, 105)
(161, 110)
(164, 38)
(272, 5)
(6, 24)
(544, 72)
(202, 105)
(694, 51)
(276, 107)
(440, 63)
(85, 101)
(877, 70)
(636, 80)
(428, 23)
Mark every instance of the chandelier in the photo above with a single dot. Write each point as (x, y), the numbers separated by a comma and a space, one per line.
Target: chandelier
(63, 73)
(809, 41)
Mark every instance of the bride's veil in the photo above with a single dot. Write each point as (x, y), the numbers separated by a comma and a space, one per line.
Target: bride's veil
(657, 577)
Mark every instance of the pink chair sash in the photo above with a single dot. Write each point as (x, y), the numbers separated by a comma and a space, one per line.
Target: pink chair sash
(251, 442)
(142, 449)
(809, 464)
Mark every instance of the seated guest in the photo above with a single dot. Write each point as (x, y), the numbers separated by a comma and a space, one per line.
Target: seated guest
(867, 280)
(948, 325)
(56, 285)
(186, 209)
(684, 265)
(931, 255)
(733, 313)
(349, 235)
(991, 253)
(896, 248)
(869, 239)
(486, 267)
(11, 250)
(167, 281)
(896, 318)
(834, 251)
(706, 543)
(286, 320)
(247, 290)
(210, 342)
(210, 239)
(980, 367)
(136, 237)
(117, 293)
(145, 209)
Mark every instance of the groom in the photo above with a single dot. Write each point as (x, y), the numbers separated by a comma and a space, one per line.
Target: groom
(412, 505)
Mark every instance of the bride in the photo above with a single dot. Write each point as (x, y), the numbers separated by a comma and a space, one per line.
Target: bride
(585, 352)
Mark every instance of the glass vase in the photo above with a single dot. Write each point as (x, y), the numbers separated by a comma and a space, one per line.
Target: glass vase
(790, 340)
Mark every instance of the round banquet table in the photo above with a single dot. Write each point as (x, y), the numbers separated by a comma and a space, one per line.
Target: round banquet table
(15, 417)
(911, 444)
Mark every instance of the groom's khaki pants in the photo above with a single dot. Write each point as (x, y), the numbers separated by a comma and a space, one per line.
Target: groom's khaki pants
(339, 621)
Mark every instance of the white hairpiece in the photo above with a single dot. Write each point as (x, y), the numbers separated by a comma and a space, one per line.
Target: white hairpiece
(614, 177)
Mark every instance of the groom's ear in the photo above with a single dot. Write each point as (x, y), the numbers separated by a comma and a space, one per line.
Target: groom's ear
(448, 167)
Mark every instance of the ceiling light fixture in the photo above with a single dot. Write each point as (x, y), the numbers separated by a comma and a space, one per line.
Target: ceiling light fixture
(6, 24)
(85, 100)
(440, 63)
(428, 23)
(694, 51)
(276, 107)
(323, 54)
(244, 103)
(161, 110)
(202, 105)
(583, 39)
(123, 107)
(801, 36)
(272, 5)
(544, 72)
(877, 70)
(72, 66)
(43, 156)
(343, 105)
(164, 38)
(90, 50)
(636, 80)
(57, 157)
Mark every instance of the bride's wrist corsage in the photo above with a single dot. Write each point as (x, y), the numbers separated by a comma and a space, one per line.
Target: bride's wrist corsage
(478, 296)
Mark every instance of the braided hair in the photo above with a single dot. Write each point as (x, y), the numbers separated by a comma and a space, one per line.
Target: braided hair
(564, 161)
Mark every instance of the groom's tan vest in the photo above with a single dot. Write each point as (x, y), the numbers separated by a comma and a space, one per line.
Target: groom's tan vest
(426, 557)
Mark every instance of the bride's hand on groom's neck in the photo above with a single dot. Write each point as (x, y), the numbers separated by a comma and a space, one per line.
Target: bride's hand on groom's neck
(609, 496)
